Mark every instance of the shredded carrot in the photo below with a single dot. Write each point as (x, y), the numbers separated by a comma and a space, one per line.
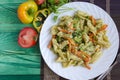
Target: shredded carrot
(86, 60)
(69, 47)
(73, 51)
(72, 28)
(102, 28)
(70, 41)
(91, 34)
(91, 37)
(63, 30)
(50, 44)
(53, 36)
(93, 20)
(87, 56)
(87, 66)
(77, 53)
(80, 53)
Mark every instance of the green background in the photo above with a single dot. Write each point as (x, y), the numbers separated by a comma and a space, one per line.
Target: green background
(16, 63)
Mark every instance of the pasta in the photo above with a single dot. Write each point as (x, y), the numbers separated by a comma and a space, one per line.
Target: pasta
(79, 39)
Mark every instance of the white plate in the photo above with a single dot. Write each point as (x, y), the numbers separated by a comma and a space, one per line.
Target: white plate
(80, 73)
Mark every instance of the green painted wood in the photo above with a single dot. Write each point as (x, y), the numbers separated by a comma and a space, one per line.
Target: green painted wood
(15, 60)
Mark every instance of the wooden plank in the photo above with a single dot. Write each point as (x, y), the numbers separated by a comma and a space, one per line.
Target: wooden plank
(49, 75)
(115, 7)
(108, 77)
(108, 6)
(92, 1)
(116, 72)
(101, 3)
(117, 21)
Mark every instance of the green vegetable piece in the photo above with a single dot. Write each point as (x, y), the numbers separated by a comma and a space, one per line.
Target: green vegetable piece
(55, 18)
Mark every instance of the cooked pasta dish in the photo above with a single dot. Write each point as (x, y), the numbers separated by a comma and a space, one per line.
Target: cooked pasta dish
(78, 39)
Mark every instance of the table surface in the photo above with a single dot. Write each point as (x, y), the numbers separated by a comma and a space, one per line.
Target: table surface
(113, 8)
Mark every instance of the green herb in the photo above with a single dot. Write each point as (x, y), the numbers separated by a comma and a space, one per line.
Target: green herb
(55, 18)
(53, 5)
(65, 48)
(60, 11)
(59, 39)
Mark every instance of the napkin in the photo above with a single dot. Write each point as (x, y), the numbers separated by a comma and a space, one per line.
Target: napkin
(15, 60)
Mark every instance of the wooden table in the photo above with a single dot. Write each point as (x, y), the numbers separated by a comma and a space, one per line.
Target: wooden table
(113, 8)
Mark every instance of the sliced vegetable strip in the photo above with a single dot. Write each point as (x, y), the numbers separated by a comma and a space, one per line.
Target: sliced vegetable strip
(50, 43)
(39, 19)
(93, 20)
(102, 28)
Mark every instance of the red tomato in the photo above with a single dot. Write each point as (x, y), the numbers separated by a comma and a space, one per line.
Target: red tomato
(39, 2)
(27, 37)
